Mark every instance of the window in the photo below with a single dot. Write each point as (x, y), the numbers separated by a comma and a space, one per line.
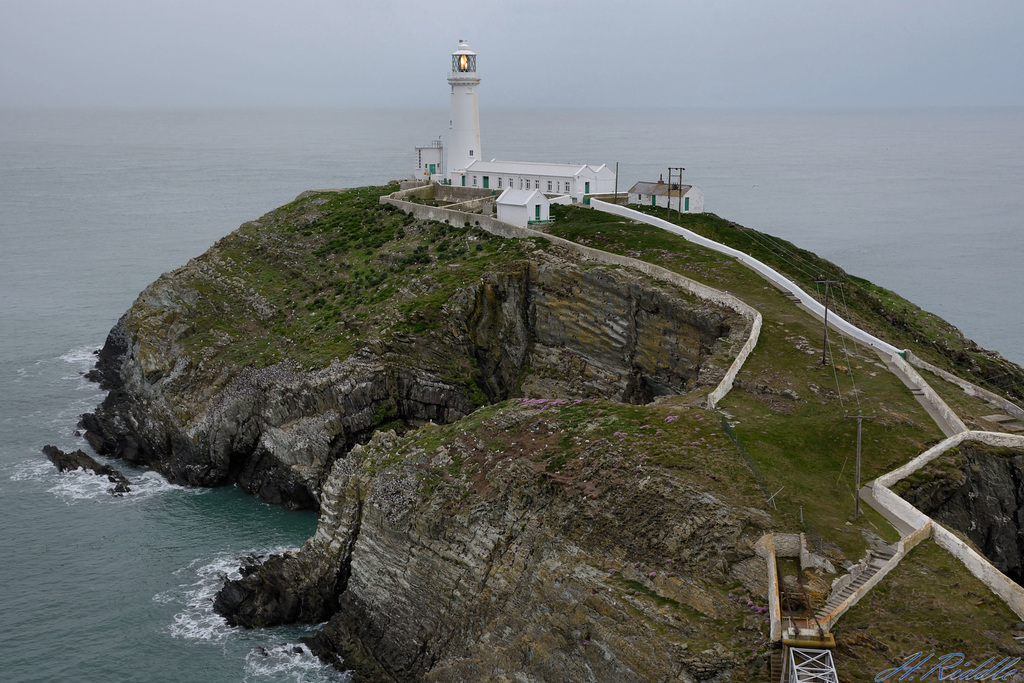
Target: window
(499, 182)
(470, 152)
(549, 186)
(510, 183)
(527, 183)
(474, 181)
(567, 186)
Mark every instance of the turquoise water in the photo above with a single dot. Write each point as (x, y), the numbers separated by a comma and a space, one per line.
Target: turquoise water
(95, 205)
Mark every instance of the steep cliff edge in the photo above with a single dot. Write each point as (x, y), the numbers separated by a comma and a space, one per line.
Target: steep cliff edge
(547, 539)
(977, 490)
(295, 338)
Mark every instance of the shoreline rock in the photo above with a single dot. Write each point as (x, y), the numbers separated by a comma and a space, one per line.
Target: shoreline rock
(80, 460)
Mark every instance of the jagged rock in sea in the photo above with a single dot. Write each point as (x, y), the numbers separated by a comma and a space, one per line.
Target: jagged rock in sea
(80, 460)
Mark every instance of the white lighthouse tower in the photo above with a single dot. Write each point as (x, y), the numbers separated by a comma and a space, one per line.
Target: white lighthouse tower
(464, 138)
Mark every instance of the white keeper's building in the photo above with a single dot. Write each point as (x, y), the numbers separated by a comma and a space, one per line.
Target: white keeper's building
(523, 207)
(575, 180)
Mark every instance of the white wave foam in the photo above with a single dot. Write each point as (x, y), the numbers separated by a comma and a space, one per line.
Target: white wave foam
(83, 356)
(290, 662)
(32, 470)
(75, 485)
(198, 621)
(149, 483)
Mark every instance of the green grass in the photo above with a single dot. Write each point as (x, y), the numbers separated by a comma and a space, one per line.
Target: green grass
(317, 279)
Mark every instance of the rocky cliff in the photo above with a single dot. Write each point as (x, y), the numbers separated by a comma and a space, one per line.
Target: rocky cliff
(345, 357)
(449, 320)
(491, 550)
(979, 491)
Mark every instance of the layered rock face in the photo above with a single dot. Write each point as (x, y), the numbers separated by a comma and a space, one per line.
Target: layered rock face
(980, 492)
(455, 562)
(545, 326)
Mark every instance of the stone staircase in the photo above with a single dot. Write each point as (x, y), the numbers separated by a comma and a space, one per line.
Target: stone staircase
(775, 666)
(876, 559)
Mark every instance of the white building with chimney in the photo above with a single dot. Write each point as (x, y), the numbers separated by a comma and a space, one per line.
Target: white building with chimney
(684, 198)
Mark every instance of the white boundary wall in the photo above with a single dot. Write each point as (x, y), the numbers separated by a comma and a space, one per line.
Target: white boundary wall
(502, 229)
(968, 387)
(1009, 591)
(808, 302)
(929, 394)
(765, 547)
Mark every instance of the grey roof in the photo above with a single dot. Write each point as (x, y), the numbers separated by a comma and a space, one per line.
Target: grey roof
(518, 197)
(660, 189)
(525, 168)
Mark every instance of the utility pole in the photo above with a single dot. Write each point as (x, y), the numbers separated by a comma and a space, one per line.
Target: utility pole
(616, 182)
(679, 207)
(824, 344)
(856, 485)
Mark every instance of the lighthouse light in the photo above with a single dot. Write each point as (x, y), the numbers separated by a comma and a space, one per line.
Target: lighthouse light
(463, 63)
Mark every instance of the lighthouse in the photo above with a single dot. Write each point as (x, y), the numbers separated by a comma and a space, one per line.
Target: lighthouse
(464, 136)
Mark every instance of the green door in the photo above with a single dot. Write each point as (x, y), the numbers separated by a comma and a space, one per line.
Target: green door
(536, 211)
(463, 180)
(686, 204)
(654, 202)
(433, 169)
(487, 182)
(586, 188)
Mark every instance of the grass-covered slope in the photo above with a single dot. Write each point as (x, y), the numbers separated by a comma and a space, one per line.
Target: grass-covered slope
(314, 279)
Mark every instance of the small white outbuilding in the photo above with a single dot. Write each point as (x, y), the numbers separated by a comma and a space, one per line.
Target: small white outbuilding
(685, 198)
(523, 207)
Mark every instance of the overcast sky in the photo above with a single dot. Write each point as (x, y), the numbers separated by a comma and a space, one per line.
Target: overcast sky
(558, 53)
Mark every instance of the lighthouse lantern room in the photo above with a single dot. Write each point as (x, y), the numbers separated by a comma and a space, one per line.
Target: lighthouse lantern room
(464, 135)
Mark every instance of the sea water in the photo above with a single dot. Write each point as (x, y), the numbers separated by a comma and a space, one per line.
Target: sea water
(94, 205)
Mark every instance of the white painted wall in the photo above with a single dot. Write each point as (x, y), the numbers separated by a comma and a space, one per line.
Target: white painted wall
(696, 204)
